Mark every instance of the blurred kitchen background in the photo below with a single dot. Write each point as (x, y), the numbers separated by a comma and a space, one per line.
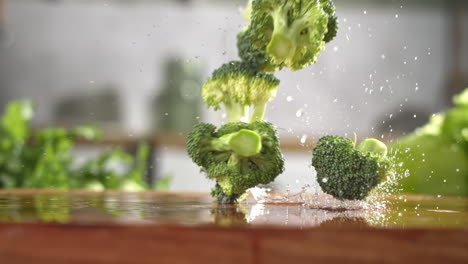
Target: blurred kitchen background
(134, 68)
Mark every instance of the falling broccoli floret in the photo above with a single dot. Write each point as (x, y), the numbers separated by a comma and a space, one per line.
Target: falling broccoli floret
(288, 33)
(238, 86)
(238, 156)
(253, 56)
(347, 172)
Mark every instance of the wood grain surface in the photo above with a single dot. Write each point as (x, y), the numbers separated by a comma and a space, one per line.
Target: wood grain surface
(55, 243)
(170, 227)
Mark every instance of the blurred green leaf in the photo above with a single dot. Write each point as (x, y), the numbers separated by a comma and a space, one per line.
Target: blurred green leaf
(43, 159)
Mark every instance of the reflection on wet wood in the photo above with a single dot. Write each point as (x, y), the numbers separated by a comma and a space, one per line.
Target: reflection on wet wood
(84, 227)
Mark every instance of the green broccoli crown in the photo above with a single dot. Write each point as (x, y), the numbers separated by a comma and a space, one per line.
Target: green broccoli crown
(199, 144)
(238, 156)
(291, 33)
(237, 82)
(254, 57)
(347, 172)
(238, 86)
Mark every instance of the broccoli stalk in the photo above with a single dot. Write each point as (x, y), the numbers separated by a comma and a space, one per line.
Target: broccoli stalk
(236, 112)
(374, 146)
(259, 111)
(244, 143)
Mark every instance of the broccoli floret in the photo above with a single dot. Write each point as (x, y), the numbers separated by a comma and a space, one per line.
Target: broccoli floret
(239, 86)
(434, 156)
(254, 57)
(238, 156)
(347, 172)
(290, 33)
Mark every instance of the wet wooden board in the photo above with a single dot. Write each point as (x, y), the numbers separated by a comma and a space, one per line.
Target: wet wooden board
(79, 227)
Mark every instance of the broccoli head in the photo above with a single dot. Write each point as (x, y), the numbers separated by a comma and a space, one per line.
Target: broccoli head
(287, 33)
(239, 86)
(435, 155)
(238, 156)
(347, 172)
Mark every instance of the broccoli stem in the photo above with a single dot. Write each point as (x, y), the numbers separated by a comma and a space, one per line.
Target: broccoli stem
(258, 111)
(373, 145)
(281, 46)
(236, 112)
(244, 143)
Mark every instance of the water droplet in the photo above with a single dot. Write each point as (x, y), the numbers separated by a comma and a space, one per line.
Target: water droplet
(416, 58)
(457, 170)
(438, 196)
(414, 116)
(299, 112)
(335, 49)
(365, 12)
(335, 100)
(303, 139)
(166, 114)
(324, 180)
(400, 214)
(407, 173)
(289, 98)
(396, 15)
(382, 56)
